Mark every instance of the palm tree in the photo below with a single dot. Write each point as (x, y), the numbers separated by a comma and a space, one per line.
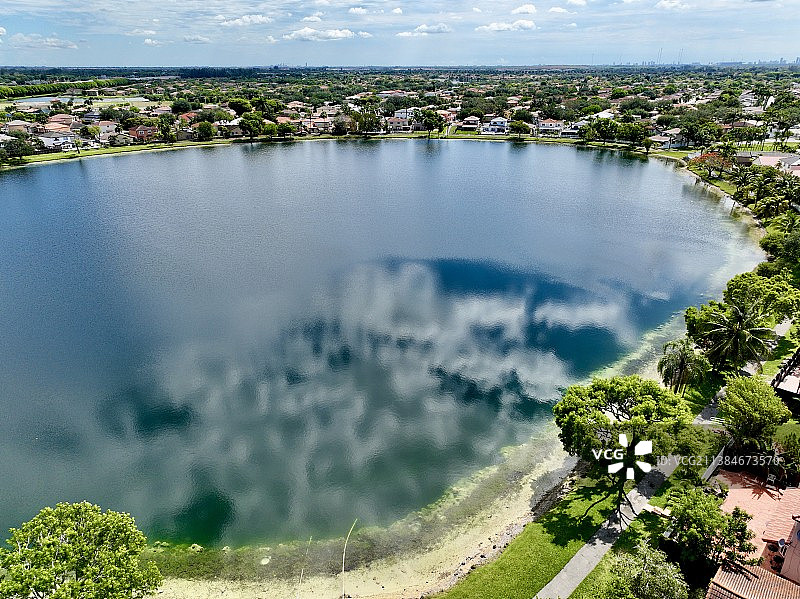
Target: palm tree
(681, 365)
(736, 335)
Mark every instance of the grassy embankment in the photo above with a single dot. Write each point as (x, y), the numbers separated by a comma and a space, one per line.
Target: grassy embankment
(55, 156)
(546, 545)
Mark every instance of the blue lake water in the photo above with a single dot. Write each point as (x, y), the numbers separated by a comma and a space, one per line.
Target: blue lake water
(267, 341)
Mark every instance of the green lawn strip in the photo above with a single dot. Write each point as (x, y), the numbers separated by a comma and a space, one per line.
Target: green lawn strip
(698, 396)
(117, 150)
(787, 345)
(786, 429)
(646, 526)
(670, 153)
(542, 549)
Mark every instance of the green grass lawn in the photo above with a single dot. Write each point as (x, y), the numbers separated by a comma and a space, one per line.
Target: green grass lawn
(542, 549)
(698, 396)
(118, 150)
(785, 348)
(646, 526)
(670, 153)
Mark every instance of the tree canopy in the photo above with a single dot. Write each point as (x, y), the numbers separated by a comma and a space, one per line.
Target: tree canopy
(76, 550)
(752, 412)
(646, 574)
(707, 534)
(681, 365)
(731, 334)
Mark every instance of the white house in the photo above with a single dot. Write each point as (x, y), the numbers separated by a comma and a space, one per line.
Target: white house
(58, 140)
(497, 126)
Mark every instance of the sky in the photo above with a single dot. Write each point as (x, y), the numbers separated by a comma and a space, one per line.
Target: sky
(394, 32)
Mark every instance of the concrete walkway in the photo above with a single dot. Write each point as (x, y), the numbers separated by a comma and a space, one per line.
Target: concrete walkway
(584, 561)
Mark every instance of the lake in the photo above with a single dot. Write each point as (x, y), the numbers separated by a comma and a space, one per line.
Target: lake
(262, 342)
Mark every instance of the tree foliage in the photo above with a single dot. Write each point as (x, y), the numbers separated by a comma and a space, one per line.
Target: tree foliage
(752, 412)
(646, 574)
(707, 534)
(682, 365)
(76, 551)
(731, 334)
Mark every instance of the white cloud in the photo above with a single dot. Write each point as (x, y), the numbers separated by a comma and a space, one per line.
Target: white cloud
(520, 25)
(476, 9)
(311, 19)
(397, 11)
(146, 32)
(525, 9)
(244, 20)
(196, 39)
(572, 25)
(2, 30)
(37, 41)
(425, 29)
(672, 5)
(151, 42)
(270, 40)
(560, 10)
(357, 10)
(577, 2)
(307, 34)
(364, 34)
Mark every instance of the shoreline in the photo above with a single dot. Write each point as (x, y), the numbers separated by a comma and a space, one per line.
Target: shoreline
(482, 535)
(57, 158)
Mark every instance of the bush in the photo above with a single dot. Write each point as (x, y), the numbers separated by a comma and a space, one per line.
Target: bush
(773, 243)
(791, 247)
(768, 269)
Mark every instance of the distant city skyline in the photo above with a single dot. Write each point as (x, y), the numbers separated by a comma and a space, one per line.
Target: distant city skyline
(395, 33)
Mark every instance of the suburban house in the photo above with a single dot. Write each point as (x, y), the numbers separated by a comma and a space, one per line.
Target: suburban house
(4, 139)
(230, 128)
(471, 123)
(551, 127)
(395, 124)
(56, 141)
(573, 130)
(18, 126)
(318, 125)
(406, 113)
(120, 139)
(677, 139)
(750, 582)
(106, 126)
(64, 119)
(497, 126)
(143, 133)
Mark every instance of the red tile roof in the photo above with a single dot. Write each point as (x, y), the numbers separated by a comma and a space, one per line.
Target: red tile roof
(750, 582)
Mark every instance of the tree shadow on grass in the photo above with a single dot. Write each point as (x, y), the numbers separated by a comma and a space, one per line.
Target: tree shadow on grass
(580, 513)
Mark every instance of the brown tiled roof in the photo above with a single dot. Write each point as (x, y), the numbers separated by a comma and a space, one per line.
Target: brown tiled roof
(750, 582)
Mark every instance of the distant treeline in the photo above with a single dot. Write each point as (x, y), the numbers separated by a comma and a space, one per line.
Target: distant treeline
(44, 89)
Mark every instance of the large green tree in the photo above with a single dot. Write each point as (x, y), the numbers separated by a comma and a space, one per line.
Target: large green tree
(206, 131)
(252, 124)
(778, 297)
(592, 418)
(76, 551)
(708, 535)
(752, 412)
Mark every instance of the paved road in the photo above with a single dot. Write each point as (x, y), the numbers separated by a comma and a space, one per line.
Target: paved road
(588, 556)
